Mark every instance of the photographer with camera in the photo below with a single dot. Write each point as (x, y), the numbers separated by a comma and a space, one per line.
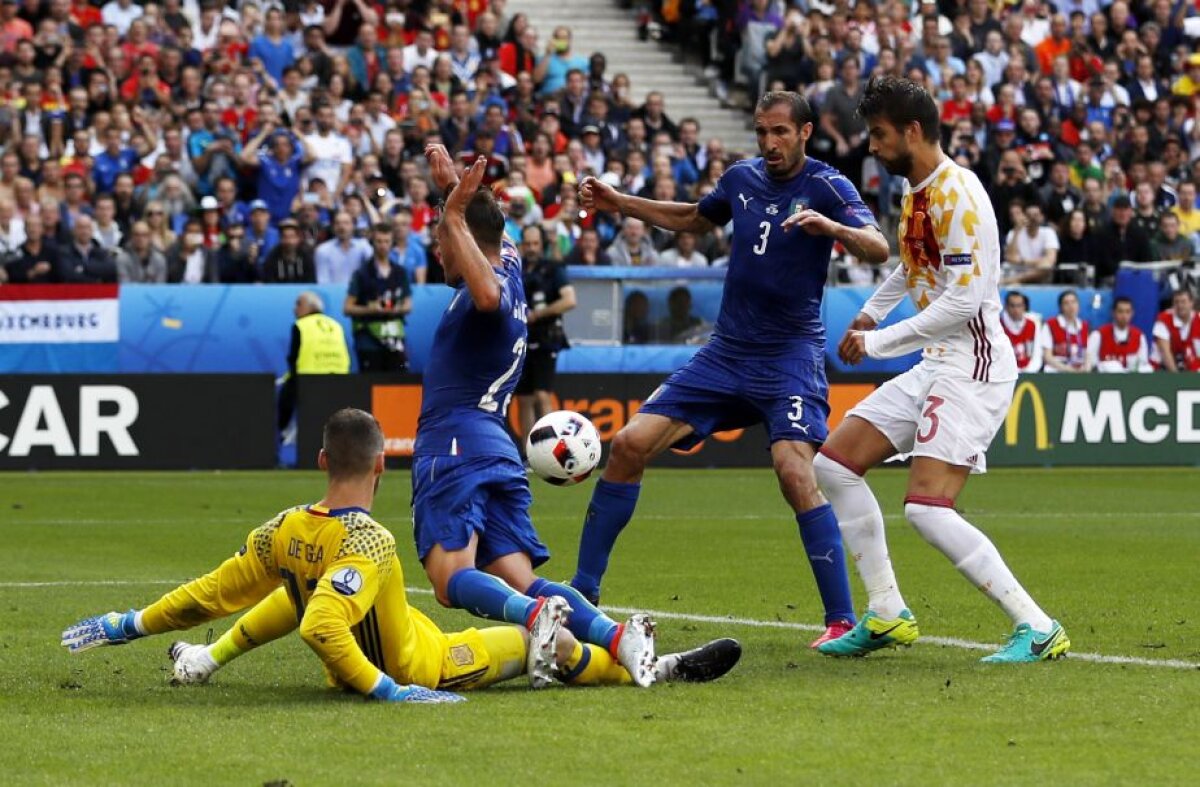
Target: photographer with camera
(1010, 183)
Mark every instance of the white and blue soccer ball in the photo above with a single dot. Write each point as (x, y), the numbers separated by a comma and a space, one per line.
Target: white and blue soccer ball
(563, 448)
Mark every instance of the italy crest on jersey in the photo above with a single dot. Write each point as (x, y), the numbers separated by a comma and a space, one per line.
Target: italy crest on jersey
(798, 204)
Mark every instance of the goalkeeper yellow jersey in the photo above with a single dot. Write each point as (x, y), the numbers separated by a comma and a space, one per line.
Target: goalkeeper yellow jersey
(347, 588)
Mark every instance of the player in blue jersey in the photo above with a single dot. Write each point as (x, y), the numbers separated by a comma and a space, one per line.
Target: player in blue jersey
(766, 360)
(470, 492)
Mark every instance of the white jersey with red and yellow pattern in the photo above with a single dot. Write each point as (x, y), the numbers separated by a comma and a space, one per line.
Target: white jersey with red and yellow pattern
(950, 267)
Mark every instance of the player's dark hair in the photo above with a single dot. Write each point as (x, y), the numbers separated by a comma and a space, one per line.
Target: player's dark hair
(1017, 294)
(485, 220)
(1117, 301)
(352, 440)
(901, 101)
(800, 110)
(1183, 291)
(1062, 296)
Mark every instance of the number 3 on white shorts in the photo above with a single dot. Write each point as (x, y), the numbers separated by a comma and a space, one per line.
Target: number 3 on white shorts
(934, 421)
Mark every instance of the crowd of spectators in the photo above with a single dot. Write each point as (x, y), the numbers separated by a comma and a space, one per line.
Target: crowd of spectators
(1080, 116)
(189, 141)
(198, 141)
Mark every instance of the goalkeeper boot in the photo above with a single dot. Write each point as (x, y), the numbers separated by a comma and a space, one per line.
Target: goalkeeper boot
(111, 628)
(634, 648)
(832, 631)
(699, 665)
(547, 622)
(193, 664)
(873, 633)
(1026, 644)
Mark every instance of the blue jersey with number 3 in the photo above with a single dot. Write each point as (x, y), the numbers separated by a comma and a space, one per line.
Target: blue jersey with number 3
(772, 299)
(473, 368)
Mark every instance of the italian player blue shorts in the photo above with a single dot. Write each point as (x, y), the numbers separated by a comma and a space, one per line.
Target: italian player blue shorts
(716, 392)
(456, 496)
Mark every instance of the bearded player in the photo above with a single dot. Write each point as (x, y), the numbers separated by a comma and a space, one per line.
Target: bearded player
(766, 361)
(944, 411)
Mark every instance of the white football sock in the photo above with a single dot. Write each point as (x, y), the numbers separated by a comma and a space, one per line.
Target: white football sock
(861, 523)
(977, 558)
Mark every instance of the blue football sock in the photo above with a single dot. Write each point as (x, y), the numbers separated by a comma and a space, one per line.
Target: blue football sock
(489, 597)
(823, 545)
(586, 622)
(610, 510)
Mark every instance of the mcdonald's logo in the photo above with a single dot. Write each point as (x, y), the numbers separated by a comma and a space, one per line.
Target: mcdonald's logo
(1012, 423)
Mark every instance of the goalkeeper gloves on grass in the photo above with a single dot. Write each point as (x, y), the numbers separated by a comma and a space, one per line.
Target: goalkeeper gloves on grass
(389, 690)
(111, 628)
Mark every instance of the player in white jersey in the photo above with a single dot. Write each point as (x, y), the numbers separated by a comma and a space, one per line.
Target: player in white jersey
(944, 411)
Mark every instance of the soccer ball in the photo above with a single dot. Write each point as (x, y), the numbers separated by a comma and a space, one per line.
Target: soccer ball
(563, 448)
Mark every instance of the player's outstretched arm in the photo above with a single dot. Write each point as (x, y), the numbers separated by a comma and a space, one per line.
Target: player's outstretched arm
(865, 243)
(949, 312)
(459, 245)
(675, 216)
(239, 582)
(111, 628)
(885, 298)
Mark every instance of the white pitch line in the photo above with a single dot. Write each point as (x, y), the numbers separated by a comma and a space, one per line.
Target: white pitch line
(982, 514)
(947, 642)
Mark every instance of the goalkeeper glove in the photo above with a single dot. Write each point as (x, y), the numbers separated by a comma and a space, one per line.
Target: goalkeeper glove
(389, 690)
(111, 628)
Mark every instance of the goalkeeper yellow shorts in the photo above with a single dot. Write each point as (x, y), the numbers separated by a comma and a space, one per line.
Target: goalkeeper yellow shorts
(480, 657)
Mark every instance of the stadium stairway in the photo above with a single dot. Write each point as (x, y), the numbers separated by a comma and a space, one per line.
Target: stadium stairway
(603, 26)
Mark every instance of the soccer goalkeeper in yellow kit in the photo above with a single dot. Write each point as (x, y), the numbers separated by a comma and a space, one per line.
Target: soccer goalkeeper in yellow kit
(331, 570)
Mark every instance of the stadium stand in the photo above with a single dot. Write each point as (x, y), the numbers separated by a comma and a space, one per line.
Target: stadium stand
(176, 142)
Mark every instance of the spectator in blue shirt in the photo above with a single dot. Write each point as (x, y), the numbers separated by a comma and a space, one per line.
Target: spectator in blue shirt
(112, 161)
(407, 250)
(272, 47)
(552, 67)
(261, 237)
(212, 147)
(339, 257)
(278, 169)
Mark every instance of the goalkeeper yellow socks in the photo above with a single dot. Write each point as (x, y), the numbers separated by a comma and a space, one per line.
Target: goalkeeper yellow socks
(590, 665)
(227, 648)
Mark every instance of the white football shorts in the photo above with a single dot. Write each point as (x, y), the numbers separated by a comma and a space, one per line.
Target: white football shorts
(935, 412)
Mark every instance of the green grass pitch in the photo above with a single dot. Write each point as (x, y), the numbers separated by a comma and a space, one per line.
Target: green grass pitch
(1112, 553)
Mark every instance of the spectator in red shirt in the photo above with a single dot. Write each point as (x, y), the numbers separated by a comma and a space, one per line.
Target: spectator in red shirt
(138, 42)
(12, 27)
(957, 107)
(145, 87)
(242, 116)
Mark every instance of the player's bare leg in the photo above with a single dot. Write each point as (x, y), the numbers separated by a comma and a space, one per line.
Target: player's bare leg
(526, 417)
(531, 407)
(458, 584)
(793, 463)
(933, 486)
(615, 496)
(643, 438)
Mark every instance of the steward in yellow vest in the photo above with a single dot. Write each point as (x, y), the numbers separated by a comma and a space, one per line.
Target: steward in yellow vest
(318, 347)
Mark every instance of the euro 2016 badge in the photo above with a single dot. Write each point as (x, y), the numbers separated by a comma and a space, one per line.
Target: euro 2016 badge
(347, 581)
